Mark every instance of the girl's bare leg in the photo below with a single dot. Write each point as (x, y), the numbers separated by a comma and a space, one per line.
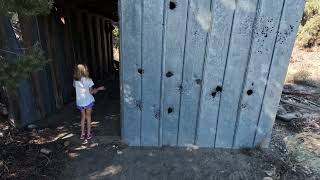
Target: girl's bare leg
(83, 118)
(88, 118)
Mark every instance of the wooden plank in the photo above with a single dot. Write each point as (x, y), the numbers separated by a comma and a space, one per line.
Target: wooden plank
(104, 48)
(131, 16)
(176, 20)
(60, 61)
(70, 30)
(110, 55)
(46, 77)
(82, 39)
(289, 24)
(111, 49)
(235, 70)
(29, 34)
(92, 45)
(213, 71)
(265, 32)
(98, 46)
(198, 25)
(54, 75)
(151, 71)
(21, 102)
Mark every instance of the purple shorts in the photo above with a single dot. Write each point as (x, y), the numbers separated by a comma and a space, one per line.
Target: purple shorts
(85, 107)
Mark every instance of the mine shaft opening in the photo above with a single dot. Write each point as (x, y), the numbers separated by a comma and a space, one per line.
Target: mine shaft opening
(92, 36)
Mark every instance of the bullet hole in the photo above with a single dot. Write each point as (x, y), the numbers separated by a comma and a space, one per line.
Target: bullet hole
(140, 71)
(243, 106)
(172, 5)
(170, 110)
(219, 89)
(169, 74)
(198, 81)
(249, 92)
(139, 105)
(213, 94)
(252, 84)
(180, 89)
(157, 114)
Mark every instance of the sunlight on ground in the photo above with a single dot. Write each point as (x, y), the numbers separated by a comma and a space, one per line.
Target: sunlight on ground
(108, 171)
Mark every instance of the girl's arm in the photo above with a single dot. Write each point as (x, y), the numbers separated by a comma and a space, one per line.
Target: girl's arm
(96, 90)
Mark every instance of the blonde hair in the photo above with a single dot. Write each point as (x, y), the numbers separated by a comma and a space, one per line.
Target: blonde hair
(80, 71)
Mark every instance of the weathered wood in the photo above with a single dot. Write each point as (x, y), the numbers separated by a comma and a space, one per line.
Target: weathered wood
(213, 72)
(21, 103)
(83, 41)
(176, 20)
(289, 24)
(198, 25)
(235, 70)
(152, 29)
(99, 46)
(104, 48)
(52, 56)
(61, 68)
(131, 15)
(46, 77)
(92, 45)
(30, 37)
(265, 31)
(69, 27)
(110, 55)
(111, 49)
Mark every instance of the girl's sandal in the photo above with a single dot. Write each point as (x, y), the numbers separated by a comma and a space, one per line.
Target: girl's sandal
(83, 136)
(89, 136)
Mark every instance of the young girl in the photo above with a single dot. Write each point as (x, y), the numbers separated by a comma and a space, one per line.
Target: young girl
(85, 101)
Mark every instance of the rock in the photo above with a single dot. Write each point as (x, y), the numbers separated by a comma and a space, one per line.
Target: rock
(271, 172)
(119, 152)
(32, 126)
(267, 178)
(45, 151)
(67, 143)
(290, 116)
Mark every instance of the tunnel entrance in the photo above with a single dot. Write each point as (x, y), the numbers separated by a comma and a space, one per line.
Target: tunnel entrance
(87, 32)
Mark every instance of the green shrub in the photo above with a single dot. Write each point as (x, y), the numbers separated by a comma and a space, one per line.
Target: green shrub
(309, 32)
(15, 70)
(26, 7)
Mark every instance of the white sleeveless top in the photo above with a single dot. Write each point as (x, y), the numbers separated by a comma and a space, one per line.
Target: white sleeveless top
(83, 95)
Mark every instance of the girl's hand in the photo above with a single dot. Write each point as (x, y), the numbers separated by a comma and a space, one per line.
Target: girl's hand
(102, 88)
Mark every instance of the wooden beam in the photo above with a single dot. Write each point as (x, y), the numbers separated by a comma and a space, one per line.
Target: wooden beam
(29, 36)
(53, 70)
(82, 37)
(92, 47)
(70, 34)
(104, 47)
(99, 47)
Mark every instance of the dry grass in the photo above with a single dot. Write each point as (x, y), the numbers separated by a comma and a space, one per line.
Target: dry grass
(304, 67)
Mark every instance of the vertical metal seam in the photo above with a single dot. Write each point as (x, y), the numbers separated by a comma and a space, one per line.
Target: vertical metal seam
(272, 56)
(202, 76)
(141, 65)
(224, 72)
(246, 71)
(122, 124)
(162, 72)
(182, 74)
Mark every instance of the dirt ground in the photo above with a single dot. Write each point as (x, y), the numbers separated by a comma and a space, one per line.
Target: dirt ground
(55, 151)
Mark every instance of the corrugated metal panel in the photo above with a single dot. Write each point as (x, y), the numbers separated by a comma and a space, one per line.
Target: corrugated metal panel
(222, 70)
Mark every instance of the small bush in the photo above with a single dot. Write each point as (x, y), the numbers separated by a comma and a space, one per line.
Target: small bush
(309, 32)
(301, 76)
